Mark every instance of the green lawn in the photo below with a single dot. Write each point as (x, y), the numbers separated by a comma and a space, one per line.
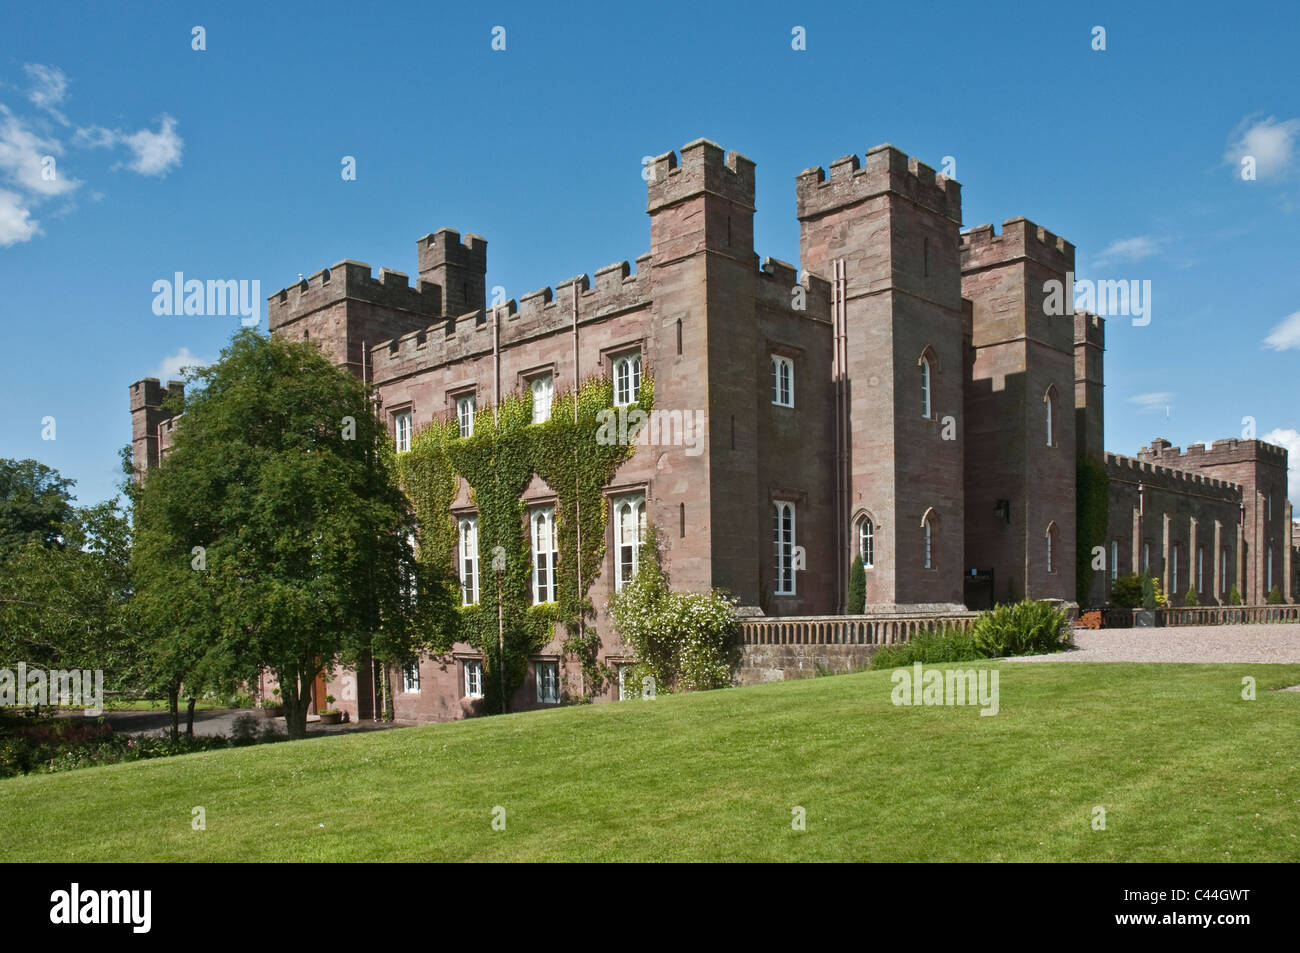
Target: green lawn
(1185, 769)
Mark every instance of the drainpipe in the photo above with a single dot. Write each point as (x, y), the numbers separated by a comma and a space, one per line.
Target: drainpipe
(577, 499)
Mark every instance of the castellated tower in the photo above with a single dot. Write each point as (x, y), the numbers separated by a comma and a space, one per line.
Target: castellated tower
(885, 232)
(1089, 363)
(345, 310)
(459, 269)
(720, 322)
(1020, 411)
(147, 420)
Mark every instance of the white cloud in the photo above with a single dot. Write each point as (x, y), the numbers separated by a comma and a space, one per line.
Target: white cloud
(156, 153)
(1270, 141)
(1286, 336)
(49, 89)
(1128, 249)
(173, 366)
(153, 153)
(16, 223)
(1154, 403)
(1289, 438)
(24, 158)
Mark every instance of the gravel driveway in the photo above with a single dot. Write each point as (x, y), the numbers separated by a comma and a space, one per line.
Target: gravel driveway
(1278, 644)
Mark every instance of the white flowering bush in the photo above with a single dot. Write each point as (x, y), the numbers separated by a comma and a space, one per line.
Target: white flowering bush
(686, 641)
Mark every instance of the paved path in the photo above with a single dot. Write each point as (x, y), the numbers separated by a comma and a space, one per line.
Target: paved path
(1267, 643)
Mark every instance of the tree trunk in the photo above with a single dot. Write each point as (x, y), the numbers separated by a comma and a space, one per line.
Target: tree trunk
(189, 718)
(173, 706)
(296, 692)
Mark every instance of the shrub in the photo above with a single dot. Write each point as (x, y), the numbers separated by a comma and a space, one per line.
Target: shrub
(1275, 596)
(687, 641)
(1026, 628)
(244, 730)
(1126, 592)
(857, 600)
(1191, 599)
(1234, 596)
(940, 645)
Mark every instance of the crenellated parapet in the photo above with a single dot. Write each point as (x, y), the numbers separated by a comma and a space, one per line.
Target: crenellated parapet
(353, 280)
(1131, 470)
(775, 288)
(704, 168)
(1089, 329)
(885, 169)
(982, 247)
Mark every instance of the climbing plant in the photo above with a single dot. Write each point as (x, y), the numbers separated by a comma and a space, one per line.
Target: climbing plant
(497, 462)
(1093, 515)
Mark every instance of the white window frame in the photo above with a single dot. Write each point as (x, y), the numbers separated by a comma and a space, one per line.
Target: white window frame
(542, 388)
(465, 409)
(627, 379)
(402, 431)
(473, 678)
(783, 537)
(545, 553)
(627, 564)
(782, 381)
(411, 678)
(927, 373)
(548, 682)
(467, 548)
(623, 694)
(867, 542)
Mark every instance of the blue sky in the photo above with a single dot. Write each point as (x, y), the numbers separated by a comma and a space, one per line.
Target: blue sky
(225, 163)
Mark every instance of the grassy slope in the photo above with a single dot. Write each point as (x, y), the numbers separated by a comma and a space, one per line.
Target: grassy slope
(1185, 768)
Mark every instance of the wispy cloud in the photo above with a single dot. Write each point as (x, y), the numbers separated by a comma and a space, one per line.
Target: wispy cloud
(173, 366)
(152, 153)
(1126, 250)
(48, 90)
(1272, 143)
(1290, 438)
(1158, 402)
(1286, 336)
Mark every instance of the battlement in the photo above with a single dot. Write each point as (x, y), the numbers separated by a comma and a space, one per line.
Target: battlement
(776, 283)
(1089, 328)
(612, 289)
(445, 247)
(352, 279)
(704, 168)
(1170, 478)
(149, 392)
(1232, 450)
(982, 247)
(886, 169)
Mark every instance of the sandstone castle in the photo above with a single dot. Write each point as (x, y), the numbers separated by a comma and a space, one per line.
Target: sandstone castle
(908, 401)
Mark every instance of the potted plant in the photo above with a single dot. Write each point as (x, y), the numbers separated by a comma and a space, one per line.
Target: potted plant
(330, 715)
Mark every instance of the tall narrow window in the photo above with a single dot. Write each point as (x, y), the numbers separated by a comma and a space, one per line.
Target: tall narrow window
(867, 542)
(627, 379)
(465, 415)
(1049, 411)
(681, 520)
(411, 678)
(783, 536)
(469, 560)
(925, 387)
(1173, 576)
(927, 529)
(473, 679)
(1114, 559)
(1051, 547)
(679, 336)
(782, 381)
(1268, 569)
(629, 532)
(545, 551)
(1223, 571)
(402, 431)
(1146, 557)
(542, 387)
(1200, 570)
(548, 683)
(925, 257)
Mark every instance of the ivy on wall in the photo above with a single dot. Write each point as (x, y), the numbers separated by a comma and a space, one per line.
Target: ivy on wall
(497, 463)
(1092, 489)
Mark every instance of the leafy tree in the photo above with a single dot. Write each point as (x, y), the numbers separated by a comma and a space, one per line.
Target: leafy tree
(35, 504)
(278, 520)
(857, 600)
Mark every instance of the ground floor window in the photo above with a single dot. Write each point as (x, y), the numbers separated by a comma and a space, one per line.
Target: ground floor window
(473, 679)
(548, 683)
(411, 678)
